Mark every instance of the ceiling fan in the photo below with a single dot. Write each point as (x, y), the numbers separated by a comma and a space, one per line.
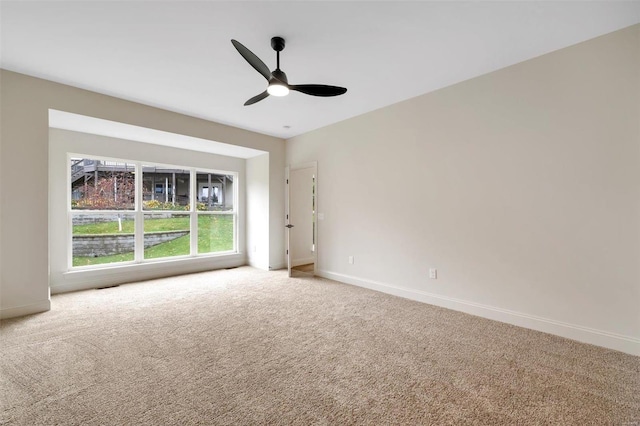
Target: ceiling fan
(278, 83)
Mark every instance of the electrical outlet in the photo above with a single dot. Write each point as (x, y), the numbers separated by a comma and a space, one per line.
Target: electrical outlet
(350, 260)
(255, 249)
(433, 273)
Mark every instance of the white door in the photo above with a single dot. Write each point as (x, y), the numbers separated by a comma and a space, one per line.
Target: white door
(301, 216)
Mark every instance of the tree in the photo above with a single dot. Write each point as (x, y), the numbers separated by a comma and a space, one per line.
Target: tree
(113, 192)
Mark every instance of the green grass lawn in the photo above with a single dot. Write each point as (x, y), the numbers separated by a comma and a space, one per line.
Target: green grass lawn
(85, 261)
(215, 234)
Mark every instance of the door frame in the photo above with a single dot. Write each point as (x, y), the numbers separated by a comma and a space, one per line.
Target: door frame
(299, 166)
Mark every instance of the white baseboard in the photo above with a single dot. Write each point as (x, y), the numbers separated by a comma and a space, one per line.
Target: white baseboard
(305, 261)
(258, 265)
(19, 311)
(276, 266)
(627, 344)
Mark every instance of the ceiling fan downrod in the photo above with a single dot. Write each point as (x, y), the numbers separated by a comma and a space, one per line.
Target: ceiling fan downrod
(277, 44)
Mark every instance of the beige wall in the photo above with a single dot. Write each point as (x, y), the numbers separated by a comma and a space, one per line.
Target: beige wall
(522, 187)
(257, 204)
(24, 284)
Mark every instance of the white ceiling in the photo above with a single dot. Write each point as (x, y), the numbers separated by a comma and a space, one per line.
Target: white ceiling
(177, 55)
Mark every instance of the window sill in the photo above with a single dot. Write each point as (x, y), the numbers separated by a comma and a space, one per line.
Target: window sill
(83, 279)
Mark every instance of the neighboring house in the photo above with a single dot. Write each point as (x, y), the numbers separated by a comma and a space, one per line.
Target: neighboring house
(159, 183)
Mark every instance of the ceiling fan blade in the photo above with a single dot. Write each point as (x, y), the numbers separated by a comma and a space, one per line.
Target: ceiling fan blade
(256, 98)
(318, 89)
(253, 60)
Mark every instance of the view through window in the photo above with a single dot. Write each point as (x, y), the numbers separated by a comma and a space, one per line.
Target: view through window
(127, 211)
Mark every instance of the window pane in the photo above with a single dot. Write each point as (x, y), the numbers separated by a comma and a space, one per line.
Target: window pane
(102, 185)
(102, 238)
(215, 233)
(165, 188)
(166, 235)
(215, 192)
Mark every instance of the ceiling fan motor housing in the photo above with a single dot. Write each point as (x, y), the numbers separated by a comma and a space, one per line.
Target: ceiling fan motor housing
(278, 74)
(277, 43)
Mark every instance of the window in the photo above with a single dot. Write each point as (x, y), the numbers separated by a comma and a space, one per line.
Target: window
(124, 211)
(216, 217)
(103, 201)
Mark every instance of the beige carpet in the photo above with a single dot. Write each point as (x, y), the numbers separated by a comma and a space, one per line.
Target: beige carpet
(244, 346)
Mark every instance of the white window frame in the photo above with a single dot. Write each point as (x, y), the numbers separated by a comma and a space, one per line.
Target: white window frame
(139, 213)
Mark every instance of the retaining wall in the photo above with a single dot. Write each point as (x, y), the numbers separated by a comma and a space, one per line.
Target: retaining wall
(108, 244)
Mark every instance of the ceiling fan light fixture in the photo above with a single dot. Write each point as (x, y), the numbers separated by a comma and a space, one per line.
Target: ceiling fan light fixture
(277, 89)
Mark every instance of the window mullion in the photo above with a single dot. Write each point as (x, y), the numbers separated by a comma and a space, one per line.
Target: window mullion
(194, 212)
(139, 223)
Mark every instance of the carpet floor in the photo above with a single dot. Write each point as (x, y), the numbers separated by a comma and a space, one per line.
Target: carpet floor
(244, 346)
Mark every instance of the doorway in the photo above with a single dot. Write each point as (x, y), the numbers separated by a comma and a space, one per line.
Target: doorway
(301, 219)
